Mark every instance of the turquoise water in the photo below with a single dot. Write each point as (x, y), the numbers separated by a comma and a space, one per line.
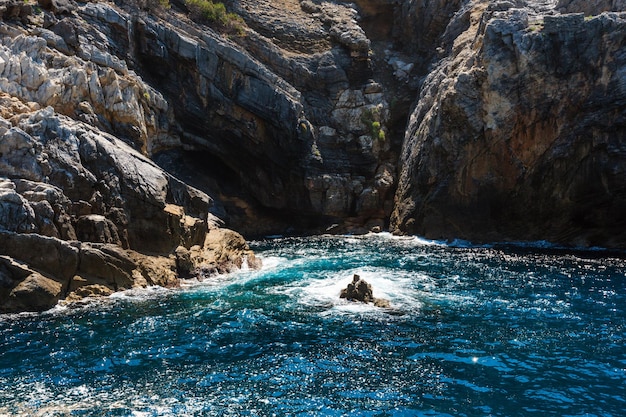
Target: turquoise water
(474, 331)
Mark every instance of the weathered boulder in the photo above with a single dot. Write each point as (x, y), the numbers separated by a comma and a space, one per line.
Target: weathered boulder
(223, 251)
(97, 228)
(23, 289)
(53, 256)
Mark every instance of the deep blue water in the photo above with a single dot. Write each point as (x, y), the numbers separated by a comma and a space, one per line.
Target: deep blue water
(474, 331)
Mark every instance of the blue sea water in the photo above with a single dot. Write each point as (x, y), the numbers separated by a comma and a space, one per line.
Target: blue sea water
(473, 331)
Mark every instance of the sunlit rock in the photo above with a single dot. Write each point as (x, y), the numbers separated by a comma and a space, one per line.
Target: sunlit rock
(361, 290)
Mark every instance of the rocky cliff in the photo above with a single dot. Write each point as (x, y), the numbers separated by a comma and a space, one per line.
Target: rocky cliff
(132, 130)
(83, 210)
(519, 131)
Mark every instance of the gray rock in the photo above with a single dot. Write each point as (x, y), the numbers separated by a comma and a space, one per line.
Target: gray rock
(522, 140)
(97, 228)
(22, 289)
(129, 190)
(16, 215)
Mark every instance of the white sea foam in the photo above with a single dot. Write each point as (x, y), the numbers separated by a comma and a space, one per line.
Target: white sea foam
(271, 262)
(315, 291)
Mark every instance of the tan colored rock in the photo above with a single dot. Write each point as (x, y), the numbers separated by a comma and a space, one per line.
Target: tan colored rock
(23, 289)
(53, 256)
(184, 264)
(187, 230)
(88, 290)
(223, 251)
(106, 263)
(155, 270)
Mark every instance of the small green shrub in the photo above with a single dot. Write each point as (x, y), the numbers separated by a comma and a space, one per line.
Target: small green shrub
(370, 118)
(216, 13)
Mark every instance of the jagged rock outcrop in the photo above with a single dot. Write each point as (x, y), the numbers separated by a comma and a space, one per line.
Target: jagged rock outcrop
(290, 110)
(79, 210)
(295, 112)
(115, 195)
(65, 63)
(361, 290)
(519, 133)
(83, 211)
(223, 251)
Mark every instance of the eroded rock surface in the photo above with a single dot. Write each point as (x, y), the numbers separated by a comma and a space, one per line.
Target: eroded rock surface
(361, 290)
(83, 213)
(519, 133)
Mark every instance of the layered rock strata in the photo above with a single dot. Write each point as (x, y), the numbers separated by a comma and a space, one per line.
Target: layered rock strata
(82, 213)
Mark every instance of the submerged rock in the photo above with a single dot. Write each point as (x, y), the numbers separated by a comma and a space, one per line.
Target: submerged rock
(361, 290)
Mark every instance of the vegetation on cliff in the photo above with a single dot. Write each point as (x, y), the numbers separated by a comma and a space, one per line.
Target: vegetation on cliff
(308, 123)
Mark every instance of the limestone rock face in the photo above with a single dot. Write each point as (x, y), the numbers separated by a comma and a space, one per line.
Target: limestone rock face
(111, 193)
(292, 109)
(51, 67)
(293, 103)
(83, 210)
(519, 133)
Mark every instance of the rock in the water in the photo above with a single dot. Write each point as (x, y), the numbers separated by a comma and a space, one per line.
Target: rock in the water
(361, 290)
(358, 290)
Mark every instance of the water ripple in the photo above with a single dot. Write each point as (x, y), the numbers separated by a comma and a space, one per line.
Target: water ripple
(493, 330)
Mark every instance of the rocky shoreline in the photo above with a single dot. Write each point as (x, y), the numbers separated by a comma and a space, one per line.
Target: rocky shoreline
(132, 132)
(86, 214)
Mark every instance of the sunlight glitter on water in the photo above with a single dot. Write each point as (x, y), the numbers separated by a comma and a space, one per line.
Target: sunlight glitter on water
(472, 331)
